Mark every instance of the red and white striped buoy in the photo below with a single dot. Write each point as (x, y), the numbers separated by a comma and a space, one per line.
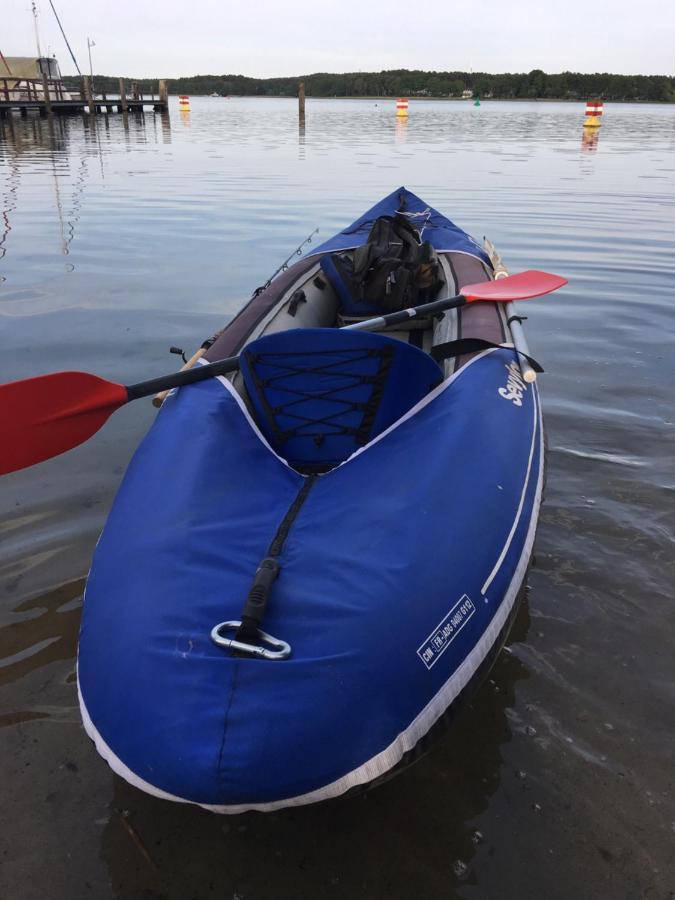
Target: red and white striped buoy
(593, 113)
(183, 102)
(402, 106)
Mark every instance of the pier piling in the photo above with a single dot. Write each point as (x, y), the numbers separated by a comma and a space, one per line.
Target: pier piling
(301, 101)
(87, 93)
(123, 96)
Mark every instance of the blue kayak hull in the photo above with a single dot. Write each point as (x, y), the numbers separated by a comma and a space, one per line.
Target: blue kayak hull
(399, 574)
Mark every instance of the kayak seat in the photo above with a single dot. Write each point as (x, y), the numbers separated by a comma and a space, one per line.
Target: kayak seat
(318, 394)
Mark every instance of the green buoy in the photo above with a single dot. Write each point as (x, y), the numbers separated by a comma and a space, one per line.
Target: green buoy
(476, 102)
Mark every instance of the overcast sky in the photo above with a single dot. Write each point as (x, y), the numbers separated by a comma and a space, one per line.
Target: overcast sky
(297, 37)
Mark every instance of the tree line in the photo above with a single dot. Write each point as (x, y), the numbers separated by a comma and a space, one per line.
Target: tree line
(403, 82)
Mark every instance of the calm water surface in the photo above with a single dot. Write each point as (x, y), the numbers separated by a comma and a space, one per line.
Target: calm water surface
(118, 239)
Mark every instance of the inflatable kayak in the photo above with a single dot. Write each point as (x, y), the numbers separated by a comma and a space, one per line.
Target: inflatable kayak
(311, 562)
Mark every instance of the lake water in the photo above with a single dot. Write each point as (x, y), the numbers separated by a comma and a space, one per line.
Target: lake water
(119, 239)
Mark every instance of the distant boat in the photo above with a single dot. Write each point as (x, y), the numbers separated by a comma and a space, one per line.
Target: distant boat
(214, 94)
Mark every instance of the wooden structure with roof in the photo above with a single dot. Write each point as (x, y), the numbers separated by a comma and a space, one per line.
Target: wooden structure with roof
(35, 83)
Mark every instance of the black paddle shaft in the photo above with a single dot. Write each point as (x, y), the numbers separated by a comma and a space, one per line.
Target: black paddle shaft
(404, 315)
(179, 379)
(231, 364)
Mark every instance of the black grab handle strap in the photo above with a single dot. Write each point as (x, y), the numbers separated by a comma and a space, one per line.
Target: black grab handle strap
(472, 345)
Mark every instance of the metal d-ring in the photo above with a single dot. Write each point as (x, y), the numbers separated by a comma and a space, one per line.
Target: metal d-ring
(280, 649)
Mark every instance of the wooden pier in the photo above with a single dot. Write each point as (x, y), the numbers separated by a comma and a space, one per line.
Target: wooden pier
(49, 97)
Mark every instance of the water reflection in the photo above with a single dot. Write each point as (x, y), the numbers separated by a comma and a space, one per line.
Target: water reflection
(589, 139)
(9, 200)
(117, 243)
(40, 631)
(417, 829)
(165, 125)
(49, 137)
(63, 147)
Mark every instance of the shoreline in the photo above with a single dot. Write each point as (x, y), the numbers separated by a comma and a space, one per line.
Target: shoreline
(411, 98)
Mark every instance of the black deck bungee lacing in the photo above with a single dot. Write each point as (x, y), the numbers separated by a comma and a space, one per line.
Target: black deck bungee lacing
(318, 427)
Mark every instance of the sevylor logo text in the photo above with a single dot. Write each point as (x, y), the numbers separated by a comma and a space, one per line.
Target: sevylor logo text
(515, 386)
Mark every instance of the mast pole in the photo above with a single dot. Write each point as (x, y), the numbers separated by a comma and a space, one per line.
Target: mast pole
(91, 44)
(35, 23)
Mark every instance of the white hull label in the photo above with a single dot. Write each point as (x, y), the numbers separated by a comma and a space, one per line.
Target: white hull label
(446, 631)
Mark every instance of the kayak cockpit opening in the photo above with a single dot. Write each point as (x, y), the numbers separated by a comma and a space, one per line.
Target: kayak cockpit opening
(318, 395)
(318, 391)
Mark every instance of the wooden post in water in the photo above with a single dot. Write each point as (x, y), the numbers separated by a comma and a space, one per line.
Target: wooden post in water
(301, 101)
(123, 96)
(163, 95)
(47, 98)
(87, 93)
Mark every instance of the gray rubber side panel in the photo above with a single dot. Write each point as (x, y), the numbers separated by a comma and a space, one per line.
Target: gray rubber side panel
(319, 310)
(477, 320)
(236, 333)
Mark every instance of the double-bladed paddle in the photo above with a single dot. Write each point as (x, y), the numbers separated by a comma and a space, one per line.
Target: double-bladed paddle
(47, 415)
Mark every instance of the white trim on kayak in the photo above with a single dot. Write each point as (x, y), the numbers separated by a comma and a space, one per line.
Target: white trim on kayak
(407, 739)
(506, 546)
(230, 388)
(114, 761)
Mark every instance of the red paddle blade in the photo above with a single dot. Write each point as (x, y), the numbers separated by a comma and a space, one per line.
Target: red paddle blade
(514, 287)
(42, 417)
